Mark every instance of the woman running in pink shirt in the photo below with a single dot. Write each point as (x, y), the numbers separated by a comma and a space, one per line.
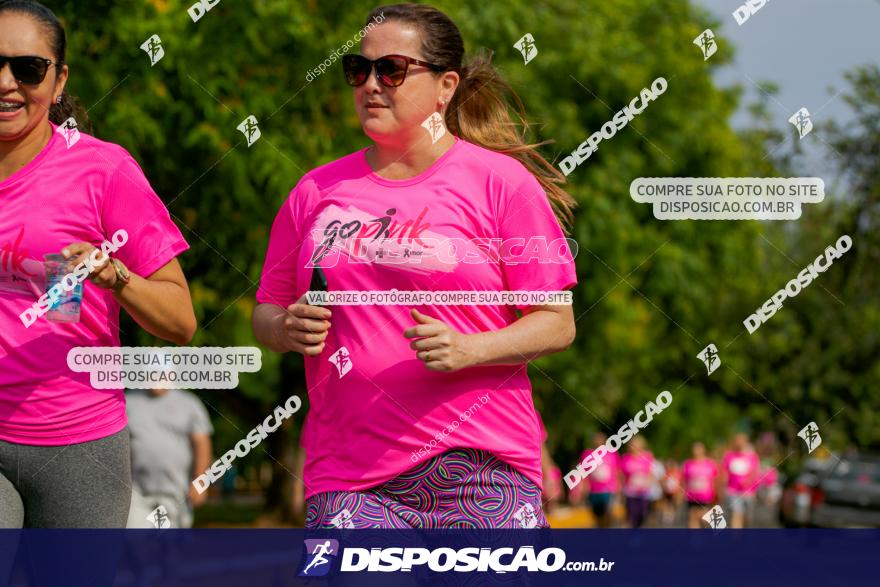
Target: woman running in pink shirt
(740, 471)
(603, 483)
(421, 413)
(639, 477)
(64, 445)
(700, 480)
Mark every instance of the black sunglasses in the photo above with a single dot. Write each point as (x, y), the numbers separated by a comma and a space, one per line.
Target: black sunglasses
(390, 69)
(27, 69)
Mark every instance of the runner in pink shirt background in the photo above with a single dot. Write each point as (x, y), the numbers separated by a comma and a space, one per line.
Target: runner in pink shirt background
(668, 505)
(740, 469)
(770, 489)
(552, 493)
(699, 482)
(603, 483)
(403, 396)
(63, 196)
(639, 477)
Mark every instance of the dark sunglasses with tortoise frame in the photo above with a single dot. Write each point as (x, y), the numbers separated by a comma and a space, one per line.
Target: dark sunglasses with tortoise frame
(390, 69)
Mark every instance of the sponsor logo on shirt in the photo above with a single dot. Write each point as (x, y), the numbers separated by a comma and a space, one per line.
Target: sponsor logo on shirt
(390, 239)
(18, 272)
(12, 257)
(740, 466)
(386, 239)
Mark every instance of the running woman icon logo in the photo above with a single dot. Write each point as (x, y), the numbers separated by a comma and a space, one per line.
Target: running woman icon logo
(715, 518)
(810, 434)
(153, 48)
(342, 360)
(706, 42)
(159, 518)
(526, 516)
(319, 557)
(249, 128)
(801, 121)
(342, 519)
(69, 131)
(709, 356)
(435, 127)
(527, 47)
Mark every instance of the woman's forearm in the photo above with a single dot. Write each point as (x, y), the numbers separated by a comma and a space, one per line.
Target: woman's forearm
(265, 321)
(538, 333)
(162, 308)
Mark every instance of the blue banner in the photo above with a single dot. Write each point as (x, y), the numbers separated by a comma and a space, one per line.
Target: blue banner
(275, 558)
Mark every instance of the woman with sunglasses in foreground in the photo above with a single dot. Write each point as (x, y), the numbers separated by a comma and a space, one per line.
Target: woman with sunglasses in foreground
(64, 445)
(421, 415)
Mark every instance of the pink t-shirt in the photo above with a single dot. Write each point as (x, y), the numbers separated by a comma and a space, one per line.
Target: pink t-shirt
(699, 479)
(375, 410)
(603, 479)
(638, 473)
(742, 471)
(769, 476)
(64, 195)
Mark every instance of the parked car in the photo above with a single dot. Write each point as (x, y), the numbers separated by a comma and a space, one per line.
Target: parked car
(801, 493)
(849, 494)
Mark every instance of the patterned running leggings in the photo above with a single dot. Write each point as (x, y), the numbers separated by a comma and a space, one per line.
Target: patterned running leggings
(460, 488)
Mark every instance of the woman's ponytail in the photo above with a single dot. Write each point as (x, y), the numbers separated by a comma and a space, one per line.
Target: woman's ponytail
(480, 112)
(69, 107)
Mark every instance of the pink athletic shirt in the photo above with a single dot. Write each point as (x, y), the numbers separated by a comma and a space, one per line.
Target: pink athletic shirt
(742, 471)
(64, 195)
(373, 403)
(638, 474)
(769, 476)
(603, 479)
(699, 479)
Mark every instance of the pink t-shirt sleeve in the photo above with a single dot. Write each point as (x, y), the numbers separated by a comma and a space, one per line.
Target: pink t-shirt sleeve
(131, 204)
(278, 281)
(541, 260)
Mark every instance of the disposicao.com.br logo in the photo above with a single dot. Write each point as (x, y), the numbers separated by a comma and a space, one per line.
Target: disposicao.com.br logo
(319, 557)
(320, 554)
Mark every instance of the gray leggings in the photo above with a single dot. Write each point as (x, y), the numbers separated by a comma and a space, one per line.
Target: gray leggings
(86, 485)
